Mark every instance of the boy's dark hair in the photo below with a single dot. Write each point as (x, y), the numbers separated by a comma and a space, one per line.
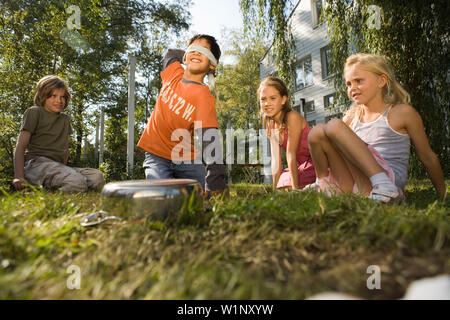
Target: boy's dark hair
(215, 49)
(45, 87)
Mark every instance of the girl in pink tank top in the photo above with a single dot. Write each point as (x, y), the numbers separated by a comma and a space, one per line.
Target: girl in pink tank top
(286, 129)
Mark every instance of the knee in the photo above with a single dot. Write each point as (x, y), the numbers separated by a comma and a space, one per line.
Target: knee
(316, 134)
(97, 181)
(334, 128)
(74, 182)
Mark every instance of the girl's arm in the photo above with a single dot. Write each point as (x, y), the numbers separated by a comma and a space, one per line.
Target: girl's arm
(414, 126)
(19, 159)
(275, 153)
(295, 124)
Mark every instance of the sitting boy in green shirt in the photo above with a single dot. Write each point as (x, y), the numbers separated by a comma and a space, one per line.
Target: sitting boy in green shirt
(42, 149)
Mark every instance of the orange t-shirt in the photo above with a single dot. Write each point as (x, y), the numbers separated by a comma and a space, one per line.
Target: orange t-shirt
(178, 105)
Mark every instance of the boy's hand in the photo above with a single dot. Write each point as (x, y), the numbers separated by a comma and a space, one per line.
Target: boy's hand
(18, 183)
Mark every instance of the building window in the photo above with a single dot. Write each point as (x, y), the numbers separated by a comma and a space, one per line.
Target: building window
(316, 8)
(328, 101)
(304, 74)
(325, 57)
(333, 116)
(312, 123)
(309, 107)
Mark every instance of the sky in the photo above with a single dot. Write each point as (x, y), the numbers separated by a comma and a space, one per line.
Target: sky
(210, 16)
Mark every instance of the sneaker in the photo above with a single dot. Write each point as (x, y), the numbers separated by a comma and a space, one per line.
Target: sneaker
(324, 185)
(386, 195)
(312, 186)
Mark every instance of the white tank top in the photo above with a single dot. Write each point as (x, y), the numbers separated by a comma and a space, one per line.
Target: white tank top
(393, 146)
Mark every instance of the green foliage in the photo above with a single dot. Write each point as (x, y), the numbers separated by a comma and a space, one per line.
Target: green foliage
(415, 39)
(258, 244)
(7, 138)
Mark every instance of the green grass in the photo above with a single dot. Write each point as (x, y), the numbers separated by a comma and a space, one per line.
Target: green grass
(258, 244)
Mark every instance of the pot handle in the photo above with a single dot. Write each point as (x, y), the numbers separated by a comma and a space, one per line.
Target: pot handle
(97, 218)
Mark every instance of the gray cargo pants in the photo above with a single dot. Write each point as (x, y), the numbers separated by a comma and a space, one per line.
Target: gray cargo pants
(55, 175)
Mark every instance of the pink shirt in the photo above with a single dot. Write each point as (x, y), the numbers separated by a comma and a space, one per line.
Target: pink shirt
(303, 154)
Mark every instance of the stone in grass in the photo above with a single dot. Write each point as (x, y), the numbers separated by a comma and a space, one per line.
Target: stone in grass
(333, 296)
(433, 288)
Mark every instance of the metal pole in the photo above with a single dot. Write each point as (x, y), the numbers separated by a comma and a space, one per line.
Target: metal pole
(231, 151)
(85, 155)
(130, 143)
(147, 99)
(102, 136)
(97, 131)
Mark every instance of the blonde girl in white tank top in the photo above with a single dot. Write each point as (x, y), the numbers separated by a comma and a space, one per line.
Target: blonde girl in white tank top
(349, 159)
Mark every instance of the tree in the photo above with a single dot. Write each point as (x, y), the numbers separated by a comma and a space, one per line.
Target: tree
(237, 84)
(414, 35)
(271, 18)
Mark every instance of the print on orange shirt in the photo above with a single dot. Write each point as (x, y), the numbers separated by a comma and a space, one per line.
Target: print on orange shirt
(169, 94)
(179, 104)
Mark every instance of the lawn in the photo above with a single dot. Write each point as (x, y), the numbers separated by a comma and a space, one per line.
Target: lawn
(257, 244)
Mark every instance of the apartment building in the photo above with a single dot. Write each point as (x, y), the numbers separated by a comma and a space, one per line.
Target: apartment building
(314, 90)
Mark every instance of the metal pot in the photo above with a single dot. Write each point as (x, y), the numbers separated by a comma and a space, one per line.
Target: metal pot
(155, 199)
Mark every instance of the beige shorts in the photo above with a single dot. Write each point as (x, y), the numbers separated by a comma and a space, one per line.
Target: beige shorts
(42, 171)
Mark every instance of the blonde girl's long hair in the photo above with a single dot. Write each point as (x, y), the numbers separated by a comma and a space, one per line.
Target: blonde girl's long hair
(281, 87)
(393, 93)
